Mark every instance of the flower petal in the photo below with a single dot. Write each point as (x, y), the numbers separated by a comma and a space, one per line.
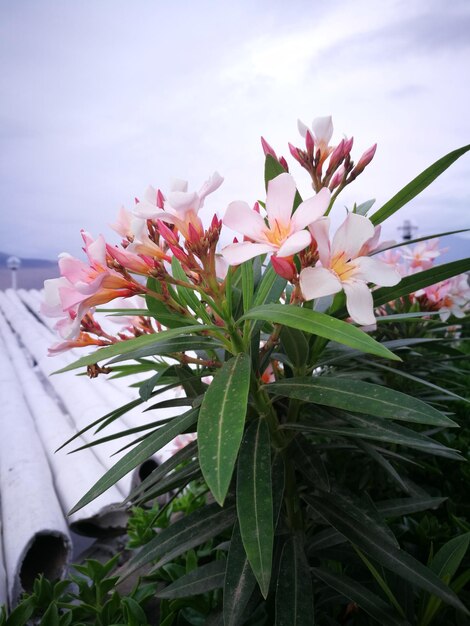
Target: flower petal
(311, 210)
(316, 282)
(352, 235)
(359, 302)
(280, 199)
(183, 201)
(295, 243)
(178, 184)
(237, 253)
(320, 233)
(303, 128)
(377, 272)
(210, 185)
(241, 218)
(323, 129)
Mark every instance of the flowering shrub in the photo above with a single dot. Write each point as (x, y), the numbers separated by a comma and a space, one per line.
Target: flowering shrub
(256, 334)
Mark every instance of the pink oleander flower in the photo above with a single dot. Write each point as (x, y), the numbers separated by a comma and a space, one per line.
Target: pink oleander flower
(83, 286)
(449, 297)
(284, 232)
(423, 254)
(83, 340)
(394, 258)
(181, 207)
(342, 268)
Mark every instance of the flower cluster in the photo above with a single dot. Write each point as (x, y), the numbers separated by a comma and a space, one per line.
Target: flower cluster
(164, 239)
(448, 297)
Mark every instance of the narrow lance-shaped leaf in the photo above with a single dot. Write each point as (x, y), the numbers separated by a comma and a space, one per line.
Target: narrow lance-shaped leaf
(394, 559)
(294, 593)
(201, 580)
(420, 280)
(138, 455)
(360, 595)
(361, 397)
(417, 185)
(221, 422)
(124, 347)
(181, 536)
(255, 501)
(239, 580)
(320, 324)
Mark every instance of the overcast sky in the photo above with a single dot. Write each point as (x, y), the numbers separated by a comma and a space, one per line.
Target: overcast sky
(100, 98)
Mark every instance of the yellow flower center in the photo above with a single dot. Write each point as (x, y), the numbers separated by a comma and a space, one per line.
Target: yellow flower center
(343, 267)
(278, 233)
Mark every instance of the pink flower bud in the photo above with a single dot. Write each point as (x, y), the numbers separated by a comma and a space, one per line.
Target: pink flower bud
(337, 178)
(296, 153)
(309, 143)
(256, 207)
(284, 163)
(348, 144)
(216, 223)
(179, 253)
(336, 158)
(193, 235)
(283, 266)
(267, 149)
(167, 234)
(160, 199)
(364, 161)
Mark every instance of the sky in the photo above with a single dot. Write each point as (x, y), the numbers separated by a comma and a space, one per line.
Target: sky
(100, 98)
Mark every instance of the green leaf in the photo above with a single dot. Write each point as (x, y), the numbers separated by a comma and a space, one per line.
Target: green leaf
(376, 430)
(221, 422)
(406, 506)
(295, 345)
(445, 564)
(255, 501)
(320, 324)
(182, 343)
(294, 592)
(309, 461)
(200, 580)
(239, 580)
(361, 397)
(124, 347)
(367, 539)
(372, 604)
(417, 185)
(420, 280)
(448, 558)
(138, 455)
(146, 388)
(159, 310)
(409, 242)
(186, 294)
(182, 535)
(270, 288)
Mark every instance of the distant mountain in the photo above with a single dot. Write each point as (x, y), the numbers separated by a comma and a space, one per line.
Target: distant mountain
(26, 262)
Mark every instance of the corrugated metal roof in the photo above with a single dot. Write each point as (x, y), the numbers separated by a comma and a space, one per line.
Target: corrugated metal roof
(39, 413)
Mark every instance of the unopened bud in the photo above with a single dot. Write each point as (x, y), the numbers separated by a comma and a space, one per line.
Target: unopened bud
(284, 267)
(336, 158)
(160, 199)
(267, 149)
(216, 223)
(178, 253)
(337, 178)
(309, 143)
(256, 207)
(348, 144)
(284, 163)
(167, 234)
(296, 154)
(194, 235)
(364, 161)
